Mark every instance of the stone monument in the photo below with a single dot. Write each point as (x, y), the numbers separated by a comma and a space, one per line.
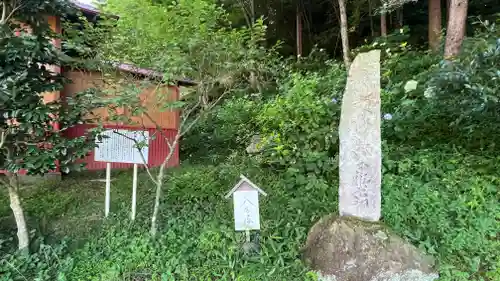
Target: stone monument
(360, 153)
(354, 246)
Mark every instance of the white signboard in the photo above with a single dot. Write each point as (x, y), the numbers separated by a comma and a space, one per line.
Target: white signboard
(119, 147)
(246, 210)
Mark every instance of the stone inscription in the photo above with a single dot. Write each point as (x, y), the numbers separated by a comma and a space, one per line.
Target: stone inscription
(360, 156)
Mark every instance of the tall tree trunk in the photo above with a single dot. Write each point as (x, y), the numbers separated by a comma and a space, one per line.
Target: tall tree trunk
(344, 33)
(448, 2)
(252, 10)
(17, 210)
(400, 17)
(383, 24)
(455, 32)
(298, 17)
(434, 24)
(370, 14)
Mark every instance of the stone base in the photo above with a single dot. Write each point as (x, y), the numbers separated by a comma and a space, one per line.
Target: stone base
(347, 249)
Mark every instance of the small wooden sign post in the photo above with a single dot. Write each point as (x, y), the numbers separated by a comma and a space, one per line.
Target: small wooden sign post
(246, 206)
(119, 146)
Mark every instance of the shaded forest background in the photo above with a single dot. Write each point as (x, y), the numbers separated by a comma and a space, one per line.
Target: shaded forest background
(320, 20)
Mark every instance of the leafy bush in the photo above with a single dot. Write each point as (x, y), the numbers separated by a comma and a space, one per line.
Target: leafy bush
(446, 202)
(449, 102)
(196, 239)
(299, 126)
(228, 128)
(470, 86)
(441, 200)
(46, 264)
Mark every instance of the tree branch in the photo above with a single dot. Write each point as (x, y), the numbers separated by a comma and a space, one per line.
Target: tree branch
(157, 127)
(186, 115)
(199, 115)
(247, 19)
(15, 8)
(3, 136)
(4, 12)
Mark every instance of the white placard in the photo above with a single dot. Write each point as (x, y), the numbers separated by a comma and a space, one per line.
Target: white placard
(117, 148)
(246, 210)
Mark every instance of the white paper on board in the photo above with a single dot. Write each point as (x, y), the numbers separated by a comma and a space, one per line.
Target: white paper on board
(246, 210)
(119, 149)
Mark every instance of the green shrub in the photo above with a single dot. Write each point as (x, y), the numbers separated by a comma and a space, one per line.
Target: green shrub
(441, 200)
(46, 264)
(453, 102)
(299, 126)
(197, 240)
(446, 203)
(467, 91)
(228, 128)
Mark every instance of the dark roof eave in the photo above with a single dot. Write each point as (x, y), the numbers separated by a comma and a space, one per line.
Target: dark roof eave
(151, 73)
(186, 83)
(89, 9)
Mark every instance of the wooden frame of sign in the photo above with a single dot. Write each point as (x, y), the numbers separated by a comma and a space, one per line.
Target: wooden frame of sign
(246, 205)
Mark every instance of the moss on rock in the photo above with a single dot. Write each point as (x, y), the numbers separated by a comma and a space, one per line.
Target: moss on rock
(347, 249)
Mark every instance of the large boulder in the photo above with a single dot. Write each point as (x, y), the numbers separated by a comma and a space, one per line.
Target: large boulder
(347, 249)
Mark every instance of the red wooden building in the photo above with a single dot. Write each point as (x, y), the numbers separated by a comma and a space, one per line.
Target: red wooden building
(168, 121)
(84, 79)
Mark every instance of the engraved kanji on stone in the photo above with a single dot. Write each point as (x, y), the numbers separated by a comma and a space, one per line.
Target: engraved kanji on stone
(360, 157)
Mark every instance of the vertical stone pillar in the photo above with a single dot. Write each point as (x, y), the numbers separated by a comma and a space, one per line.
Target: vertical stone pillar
(360, 158)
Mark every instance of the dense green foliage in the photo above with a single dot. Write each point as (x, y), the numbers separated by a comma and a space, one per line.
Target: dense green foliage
(453, 103)
(435, 182)
(440, 162)
(185, 40)
(443, 201)
(446, 202)
(298, 127)
(29, 138)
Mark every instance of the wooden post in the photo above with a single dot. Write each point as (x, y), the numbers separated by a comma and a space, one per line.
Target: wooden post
(247, 235)
(134, 192)
(108, 189)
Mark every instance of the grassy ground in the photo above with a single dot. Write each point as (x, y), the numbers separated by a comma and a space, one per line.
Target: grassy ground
(444, 203)
(62, 209)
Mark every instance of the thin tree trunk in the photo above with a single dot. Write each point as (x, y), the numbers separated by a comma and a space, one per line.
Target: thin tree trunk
(400, 17)
(434, 24)
(298, 17)
(370, 14)
(17, 210)
(383, 25)
(252, 10)
(3, 20)
(159, 186)
(455, 32)
(344, 33)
